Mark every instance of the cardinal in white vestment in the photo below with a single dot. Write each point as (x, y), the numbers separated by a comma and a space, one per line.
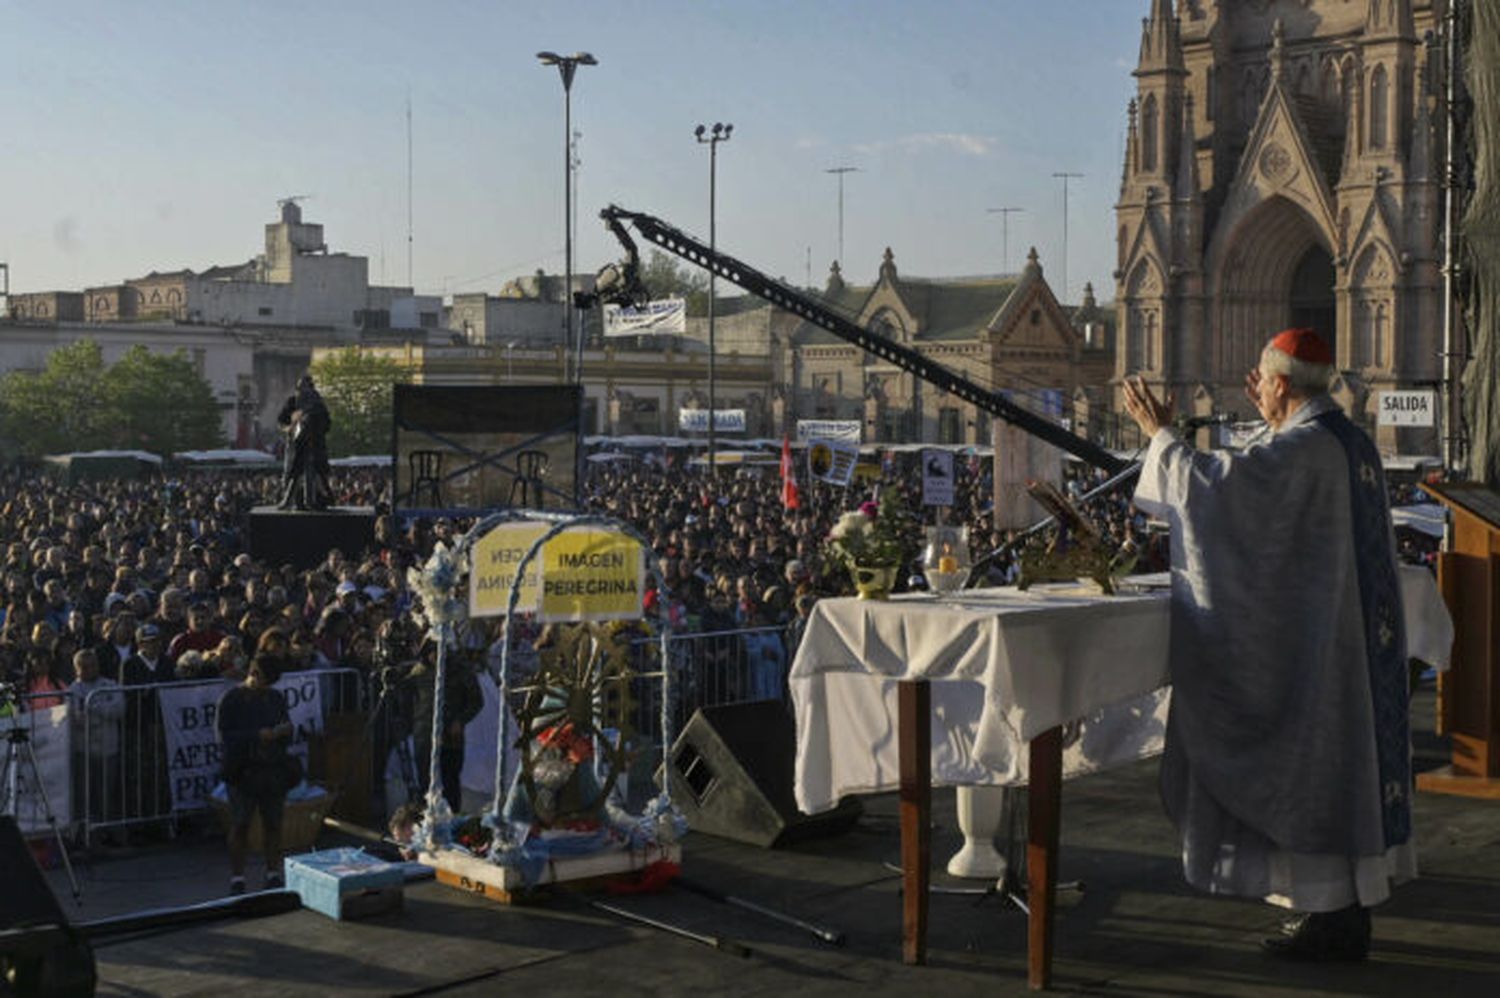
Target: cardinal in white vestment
(1287, 766)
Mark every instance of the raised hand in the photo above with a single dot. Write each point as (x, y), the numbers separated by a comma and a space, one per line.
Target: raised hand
(1149, 412)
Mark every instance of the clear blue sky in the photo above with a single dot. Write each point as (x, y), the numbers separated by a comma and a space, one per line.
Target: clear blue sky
(158, 135)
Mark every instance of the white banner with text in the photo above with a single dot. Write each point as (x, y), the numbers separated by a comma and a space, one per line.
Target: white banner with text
(194, 753)
(669, 315)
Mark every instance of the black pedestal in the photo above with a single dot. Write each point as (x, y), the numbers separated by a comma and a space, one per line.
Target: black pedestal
(304, 537)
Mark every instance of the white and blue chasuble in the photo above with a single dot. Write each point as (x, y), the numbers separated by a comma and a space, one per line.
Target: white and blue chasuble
(1287, 761)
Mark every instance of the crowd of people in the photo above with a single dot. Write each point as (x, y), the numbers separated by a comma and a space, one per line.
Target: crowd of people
(153, 577)
(135, 583)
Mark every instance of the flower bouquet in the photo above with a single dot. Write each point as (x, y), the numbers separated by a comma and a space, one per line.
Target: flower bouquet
(872, 543)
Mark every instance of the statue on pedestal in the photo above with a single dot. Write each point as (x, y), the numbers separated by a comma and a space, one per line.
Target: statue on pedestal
(304, 417)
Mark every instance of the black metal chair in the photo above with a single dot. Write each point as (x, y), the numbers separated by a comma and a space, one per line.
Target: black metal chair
(426, 476)
(531, 467)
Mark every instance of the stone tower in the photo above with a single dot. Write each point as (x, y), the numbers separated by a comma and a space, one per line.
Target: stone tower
(1281, 169)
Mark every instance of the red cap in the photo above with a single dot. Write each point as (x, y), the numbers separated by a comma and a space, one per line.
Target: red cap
(1303, 344)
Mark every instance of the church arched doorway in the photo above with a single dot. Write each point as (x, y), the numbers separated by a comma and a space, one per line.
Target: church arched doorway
(1311, 301)
(1276, 272)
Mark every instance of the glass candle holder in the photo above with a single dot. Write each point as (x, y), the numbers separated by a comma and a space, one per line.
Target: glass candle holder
(945, 559)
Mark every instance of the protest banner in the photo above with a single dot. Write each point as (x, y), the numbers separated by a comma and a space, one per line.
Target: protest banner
(194, 753)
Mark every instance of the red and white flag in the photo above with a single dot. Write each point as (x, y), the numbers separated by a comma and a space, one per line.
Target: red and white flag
(789, 499)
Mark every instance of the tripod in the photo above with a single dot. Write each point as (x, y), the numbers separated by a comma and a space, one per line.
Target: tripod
(386, 677)
(19, 752)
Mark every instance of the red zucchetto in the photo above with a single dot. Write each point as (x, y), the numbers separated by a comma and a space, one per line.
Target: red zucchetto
(1303, 344)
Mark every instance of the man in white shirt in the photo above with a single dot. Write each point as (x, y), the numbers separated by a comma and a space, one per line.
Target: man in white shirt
(96, 707)
(1287, 762)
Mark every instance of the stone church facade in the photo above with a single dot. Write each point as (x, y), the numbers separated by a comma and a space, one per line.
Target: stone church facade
(1008, 334)
(1282, 168)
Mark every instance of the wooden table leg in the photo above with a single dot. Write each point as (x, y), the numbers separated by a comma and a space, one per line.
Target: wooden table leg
(914, 741)
(1041, 853)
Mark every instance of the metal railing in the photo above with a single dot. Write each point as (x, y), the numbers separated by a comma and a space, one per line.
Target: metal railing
(715, 668)
(124, 764)
(130, 756)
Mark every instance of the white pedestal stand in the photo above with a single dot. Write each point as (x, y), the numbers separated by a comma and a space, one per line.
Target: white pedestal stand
(980, 812)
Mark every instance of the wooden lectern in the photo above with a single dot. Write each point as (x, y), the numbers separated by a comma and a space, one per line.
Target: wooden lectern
(1469, 693)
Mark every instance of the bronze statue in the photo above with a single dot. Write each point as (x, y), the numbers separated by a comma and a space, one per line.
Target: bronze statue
(304, 417)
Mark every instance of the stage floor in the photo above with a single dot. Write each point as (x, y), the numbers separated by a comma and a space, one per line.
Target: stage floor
(1137, 930)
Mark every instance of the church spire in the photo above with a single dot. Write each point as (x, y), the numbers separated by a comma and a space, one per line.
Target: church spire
(1161, 42)
(1278, 52)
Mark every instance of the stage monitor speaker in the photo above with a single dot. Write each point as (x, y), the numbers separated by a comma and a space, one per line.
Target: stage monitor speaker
(731, 773)
(40, 953)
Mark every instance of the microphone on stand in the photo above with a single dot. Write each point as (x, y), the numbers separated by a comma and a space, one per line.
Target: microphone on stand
(1198, 422)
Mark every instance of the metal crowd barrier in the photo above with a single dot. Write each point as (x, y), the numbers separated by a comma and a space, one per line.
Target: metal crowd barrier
(122, 771)
(713, 669)
(135, 766)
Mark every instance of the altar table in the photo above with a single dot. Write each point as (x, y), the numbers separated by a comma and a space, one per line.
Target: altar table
(1002, 671)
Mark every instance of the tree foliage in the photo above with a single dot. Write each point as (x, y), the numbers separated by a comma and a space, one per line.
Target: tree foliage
(145, 401)
(359, 388)
(159, 402)
(665, 277)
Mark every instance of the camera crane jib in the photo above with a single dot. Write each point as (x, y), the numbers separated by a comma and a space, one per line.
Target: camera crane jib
(680, 244)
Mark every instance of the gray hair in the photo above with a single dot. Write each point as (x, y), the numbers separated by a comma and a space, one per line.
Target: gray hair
(1304, 377)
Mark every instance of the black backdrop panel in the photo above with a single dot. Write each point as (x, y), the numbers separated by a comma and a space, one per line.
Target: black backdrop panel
(479, 447)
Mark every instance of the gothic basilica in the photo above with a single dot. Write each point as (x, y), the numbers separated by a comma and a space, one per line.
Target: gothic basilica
(1283, 167)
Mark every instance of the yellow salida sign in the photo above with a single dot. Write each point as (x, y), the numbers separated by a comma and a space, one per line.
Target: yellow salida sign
(583, 574)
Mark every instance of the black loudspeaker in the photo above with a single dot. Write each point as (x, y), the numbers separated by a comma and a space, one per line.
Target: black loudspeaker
(731, 773)
(40, 954)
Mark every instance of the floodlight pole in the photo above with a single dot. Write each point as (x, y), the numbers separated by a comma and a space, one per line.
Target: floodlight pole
(567, 65)
(719, 133)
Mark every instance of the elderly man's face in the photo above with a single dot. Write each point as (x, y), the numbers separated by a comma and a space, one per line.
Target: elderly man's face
(1273, 397)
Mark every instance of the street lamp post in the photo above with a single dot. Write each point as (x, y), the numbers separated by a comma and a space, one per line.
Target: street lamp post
(567, 65)
(719, 133)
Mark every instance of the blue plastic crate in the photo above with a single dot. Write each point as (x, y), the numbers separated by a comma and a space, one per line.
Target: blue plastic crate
(345, 883)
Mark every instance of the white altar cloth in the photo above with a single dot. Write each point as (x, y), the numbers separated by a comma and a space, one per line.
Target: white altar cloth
(1005, 666)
